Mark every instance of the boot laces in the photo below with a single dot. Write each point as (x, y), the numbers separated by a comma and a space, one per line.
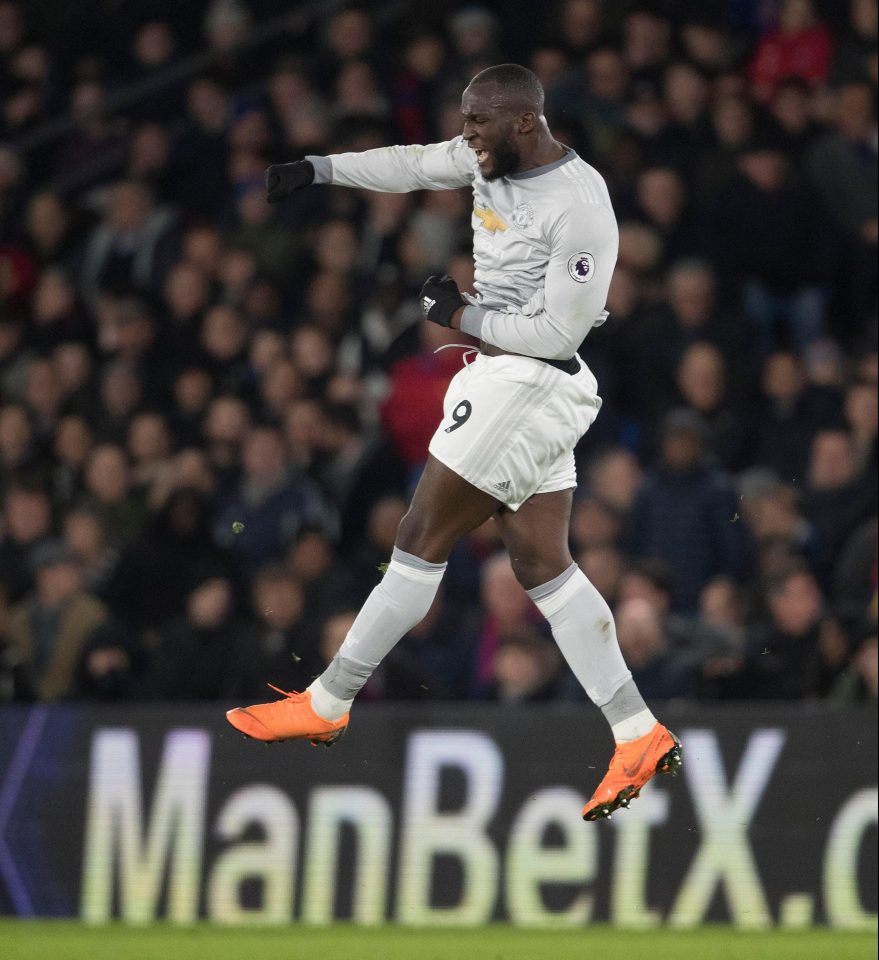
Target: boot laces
(293, 695)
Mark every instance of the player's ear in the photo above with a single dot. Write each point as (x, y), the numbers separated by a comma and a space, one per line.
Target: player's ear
(527, 122)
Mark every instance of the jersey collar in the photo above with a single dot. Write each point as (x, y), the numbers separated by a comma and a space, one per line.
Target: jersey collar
(539, 171)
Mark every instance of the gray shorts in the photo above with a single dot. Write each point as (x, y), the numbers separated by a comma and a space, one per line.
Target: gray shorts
(510, 425)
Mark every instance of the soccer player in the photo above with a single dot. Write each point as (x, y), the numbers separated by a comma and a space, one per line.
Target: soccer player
(545, 244)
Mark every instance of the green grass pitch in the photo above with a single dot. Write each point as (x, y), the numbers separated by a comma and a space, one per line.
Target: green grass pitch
(34, 940)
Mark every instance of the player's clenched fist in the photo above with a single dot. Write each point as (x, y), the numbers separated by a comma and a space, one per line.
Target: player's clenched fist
(440, 298)
(283, 178)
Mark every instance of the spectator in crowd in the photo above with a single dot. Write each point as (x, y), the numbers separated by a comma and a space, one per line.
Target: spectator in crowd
(14, 354)
(647, 42)
(603, 566)
(685, 511)
(859, 682)
(732, 125)
(283, 645)
(56, 314)
(614, 478)
(120, 393)
(417, 386)
(862, 418)
(791, 412)
(133, 246)
(270, 504)
(436, 658)
(356, 572)
(595, 523)
(224, 428)
(836, 500)
(173, 553)
(692, 314)
(842, 167)
(17, 447)
(74, 368)
(50, 231)
(108, 490)
(94, 150)
(149, 449)
(154, 49)
(786, 656)
(200, 155)
(112, 664)
(723, 637)
(801, 46)
(508, 610)
(207, 654)
(50, 629)
(42, 397)
(72, 444)
(662, 675)
(87, 540)
(28, 522)
(779, 530)
(355, 470)
(704, 385)
(791, 109)
(855, 57)
(772, 242)
(525, 668)
(662, 202)
(595, 95)
(856, 575)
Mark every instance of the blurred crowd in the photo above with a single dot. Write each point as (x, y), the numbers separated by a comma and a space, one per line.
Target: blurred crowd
(212, 411)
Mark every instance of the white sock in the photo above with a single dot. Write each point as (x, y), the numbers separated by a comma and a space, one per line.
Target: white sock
(634, 727)
(583, 627)
(393, 608)
(326, 705)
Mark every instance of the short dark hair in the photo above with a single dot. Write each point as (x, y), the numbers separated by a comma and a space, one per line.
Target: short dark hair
(518, 83)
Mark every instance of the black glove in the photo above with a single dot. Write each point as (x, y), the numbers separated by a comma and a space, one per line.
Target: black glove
(440, 298)
(283, 178)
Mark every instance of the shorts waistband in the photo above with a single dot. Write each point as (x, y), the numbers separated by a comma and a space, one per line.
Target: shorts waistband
(570, 366)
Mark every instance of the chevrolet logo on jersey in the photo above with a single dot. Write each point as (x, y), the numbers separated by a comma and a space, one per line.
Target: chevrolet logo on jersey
(490, 220)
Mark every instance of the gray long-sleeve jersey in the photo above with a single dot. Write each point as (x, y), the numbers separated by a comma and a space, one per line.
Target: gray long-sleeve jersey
(544, 241)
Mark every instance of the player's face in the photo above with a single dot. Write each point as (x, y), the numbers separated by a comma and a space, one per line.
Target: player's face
(489, 129)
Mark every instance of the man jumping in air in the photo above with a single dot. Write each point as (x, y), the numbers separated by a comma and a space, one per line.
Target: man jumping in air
(545, 244)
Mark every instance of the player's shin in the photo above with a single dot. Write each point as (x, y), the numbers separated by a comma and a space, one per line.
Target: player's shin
(583, 627)
(394, 607)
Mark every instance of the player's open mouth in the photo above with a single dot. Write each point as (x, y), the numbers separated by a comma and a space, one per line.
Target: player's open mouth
(481, 156)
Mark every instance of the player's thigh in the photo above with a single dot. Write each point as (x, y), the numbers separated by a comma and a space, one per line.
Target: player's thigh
(444, 508)
(536, 536)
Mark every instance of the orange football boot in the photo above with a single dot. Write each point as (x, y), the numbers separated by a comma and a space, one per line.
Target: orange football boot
(289, 719)
(632, 765)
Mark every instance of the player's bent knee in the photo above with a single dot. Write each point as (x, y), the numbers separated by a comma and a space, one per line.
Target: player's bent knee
(533, 572)
(422, 538)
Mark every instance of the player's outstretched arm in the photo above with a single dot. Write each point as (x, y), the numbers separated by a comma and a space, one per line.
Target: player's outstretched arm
(434, 166)
(583, 253)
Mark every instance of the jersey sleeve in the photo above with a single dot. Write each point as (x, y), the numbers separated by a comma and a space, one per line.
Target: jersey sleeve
(583, 252)
(435, 166)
